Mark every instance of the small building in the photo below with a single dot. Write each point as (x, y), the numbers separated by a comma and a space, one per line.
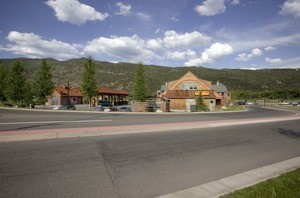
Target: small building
(115, 96)
(182, 93)
(61, 95)
(223, 91)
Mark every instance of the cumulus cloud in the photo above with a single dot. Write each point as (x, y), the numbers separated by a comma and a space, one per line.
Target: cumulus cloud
(235, 2)
(33, 46)
(75, 12)
(247, 57)
(124, 9)
(181, 55)
(291, 7)
(154, 44)
(211, 7)
(131, 49)
(175, 40)
(210, 55)
(270, 48)
(273, 60)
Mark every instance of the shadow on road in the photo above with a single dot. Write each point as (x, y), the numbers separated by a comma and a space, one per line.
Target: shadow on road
(288, 133)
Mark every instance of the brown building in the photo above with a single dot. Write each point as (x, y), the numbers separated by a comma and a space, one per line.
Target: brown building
(61, 94)
(117, 97)
(182, 93)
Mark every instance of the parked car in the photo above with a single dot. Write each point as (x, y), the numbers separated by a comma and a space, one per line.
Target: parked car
(105, 103)
(99, 108)
(240, 103)
(109, 109)
(65, 107)
(125, 109)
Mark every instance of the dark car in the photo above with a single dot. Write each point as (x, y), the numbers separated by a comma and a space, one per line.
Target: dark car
(125, 109)
(65, 107)
(105, 103)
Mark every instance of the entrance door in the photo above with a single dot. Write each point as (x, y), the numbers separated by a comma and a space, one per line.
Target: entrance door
(212, 105)
(190, 102)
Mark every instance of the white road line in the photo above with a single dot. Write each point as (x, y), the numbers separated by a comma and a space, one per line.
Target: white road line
(51, 122)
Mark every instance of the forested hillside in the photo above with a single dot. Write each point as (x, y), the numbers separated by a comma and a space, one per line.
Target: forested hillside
(120, 75)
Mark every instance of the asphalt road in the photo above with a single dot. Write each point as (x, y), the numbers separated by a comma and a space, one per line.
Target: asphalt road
(31, 120)
(142, 165)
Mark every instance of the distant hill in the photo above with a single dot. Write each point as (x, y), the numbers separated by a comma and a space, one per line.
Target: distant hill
(120, 75)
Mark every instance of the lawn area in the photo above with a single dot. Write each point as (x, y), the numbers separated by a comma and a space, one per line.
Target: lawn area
(286, 185)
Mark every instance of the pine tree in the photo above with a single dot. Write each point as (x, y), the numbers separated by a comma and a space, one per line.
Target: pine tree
(140, 88)
(2, 83)
(15, 83)
(43, 84)
(89, 83)
(200, 106)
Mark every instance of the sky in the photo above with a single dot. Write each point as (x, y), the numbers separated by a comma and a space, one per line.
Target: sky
(243, 34)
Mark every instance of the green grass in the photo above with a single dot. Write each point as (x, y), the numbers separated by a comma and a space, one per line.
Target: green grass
(234, 108)
(284, 186)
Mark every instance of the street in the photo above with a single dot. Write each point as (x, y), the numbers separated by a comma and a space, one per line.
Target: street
(142, 165)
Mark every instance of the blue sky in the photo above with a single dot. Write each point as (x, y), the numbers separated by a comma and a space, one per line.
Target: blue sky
(250, 34)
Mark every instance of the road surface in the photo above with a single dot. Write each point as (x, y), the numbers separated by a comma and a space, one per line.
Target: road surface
(141, 165)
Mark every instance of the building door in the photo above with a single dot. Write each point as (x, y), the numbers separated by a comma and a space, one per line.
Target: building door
(212, 105)
(190, 102)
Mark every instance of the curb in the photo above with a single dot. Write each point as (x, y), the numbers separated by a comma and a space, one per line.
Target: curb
(229, 184)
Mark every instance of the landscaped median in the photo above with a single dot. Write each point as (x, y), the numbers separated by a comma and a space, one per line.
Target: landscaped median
(286, 185)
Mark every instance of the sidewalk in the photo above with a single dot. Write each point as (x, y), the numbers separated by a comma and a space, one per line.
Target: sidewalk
(229, 184)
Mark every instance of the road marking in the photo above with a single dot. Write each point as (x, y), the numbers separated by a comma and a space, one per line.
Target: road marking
(51, 122)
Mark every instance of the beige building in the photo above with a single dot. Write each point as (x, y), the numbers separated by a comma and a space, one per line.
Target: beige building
(182, 93)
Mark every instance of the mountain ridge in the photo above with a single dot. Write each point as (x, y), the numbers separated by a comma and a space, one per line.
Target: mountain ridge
(121, 75)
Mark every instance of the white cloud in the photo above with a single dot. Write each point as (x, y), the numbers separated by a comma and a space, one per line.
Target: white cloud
(256, 52)
(291, 7)
(154, 44)
(131, 49)
(142, 16)
(243, 57)
(247, 57)
(273, 60)
(210, 55)
(157, 31)
(124, 9)
(270, 48)
(211, 7)
(75, 12)
(33, 46)
(187, 40)
(235, 2)
(181, 55)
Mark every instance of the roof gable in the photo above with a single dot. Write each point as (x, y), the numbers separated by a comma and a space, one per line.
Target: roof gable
(189, 76)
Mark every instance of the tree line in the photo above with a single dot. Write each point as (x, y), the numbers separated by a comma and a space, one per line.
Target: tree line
(16, 89)
(282, 95)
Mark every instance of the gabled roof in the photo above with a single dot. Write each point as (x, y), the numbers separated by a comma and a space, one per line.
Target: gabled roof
(105, 90)
(189, 76)
(220, 88)
(63, 91)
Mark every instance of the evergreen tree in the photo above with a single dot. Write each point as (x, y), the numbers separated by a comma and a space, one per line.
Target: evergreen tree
(15, 83)
(43, 84)
(200, 106)
(140, 88)
(2, 83)
(28, 93)
(89, 83)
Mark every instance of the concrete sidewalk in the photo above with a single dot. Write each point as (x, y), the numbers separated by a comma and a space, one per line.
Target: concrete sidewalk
(229, 184)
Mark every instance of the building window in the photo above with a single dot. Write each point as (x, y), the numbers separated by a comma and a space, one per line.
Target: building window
(189, 86)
